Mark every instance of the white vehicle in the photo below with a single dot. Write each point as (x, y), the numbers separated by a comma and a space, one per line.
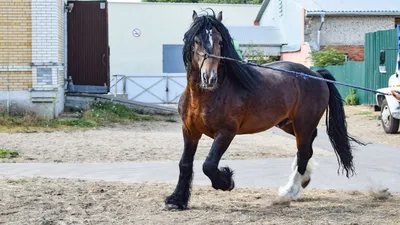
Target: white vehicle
(389, 106)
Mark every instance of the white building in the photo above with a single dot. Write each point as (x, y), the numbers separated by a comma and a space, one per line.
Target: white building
(161, 27)
(310, 24)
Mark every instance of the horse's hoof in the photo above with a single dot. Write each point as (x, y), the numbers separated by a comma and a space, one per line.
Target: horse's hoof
(173, 203)
(293, 193)
(228, 173)
(173, 207)
(232, 185)
(304, 184)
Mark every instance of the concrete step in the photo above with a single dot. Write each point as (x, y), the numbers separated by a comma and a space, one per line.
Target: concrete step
(82, 101)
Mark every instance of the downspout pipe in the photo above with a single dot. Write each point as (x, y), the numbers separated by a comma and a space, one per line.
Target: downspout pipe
(319, 30)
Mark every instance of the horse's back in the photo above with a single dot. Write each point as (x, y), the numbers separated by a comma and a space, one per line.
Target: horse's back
(295, 91)
(288, 74)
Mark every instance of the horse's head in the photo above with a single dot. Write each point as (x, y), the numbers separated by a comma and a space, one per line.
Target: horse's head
(203, 38)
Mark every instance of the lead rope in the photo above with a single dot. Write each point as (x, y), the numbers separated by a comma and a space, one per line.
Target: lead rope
(304, 75)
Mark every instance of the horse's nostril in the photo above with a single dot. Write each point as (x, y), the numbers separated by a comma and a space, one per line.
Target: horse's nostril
(213, 79)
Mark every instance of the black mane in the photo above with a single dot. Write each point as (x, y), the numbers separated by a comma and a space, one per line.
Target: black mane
(243, 75)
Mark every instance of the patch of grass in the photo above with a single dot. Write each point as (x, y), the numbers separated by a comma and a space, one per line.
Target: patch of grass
(171, 120)
(98, 114)
(367, 114)
(106, 112)
(8, 154)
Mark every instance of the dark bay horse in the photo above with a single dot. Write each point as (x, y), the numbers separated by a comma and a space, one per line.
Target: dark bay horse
(225, 98)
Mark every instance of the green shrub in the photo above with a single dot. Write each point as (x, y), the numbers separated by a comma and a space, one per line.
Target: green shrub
(351, 98)
(327, 57)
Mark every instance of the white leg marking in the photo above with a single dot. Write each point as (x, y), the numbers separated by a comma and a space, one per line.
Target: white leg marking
(294, 163)
(293, 188)
(311, 165)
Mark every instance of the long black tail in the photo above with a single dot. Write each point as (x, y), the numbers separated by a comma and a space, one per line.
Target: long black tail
(337, 127)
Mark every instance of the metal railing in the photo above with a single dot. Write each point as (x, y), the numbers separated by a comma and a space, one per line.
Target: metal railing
(126, 80)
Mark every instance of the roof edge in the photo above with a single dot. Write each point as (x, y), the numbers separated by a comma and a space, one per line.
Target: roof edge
(176, 3)
(352, 13)
(262, 10)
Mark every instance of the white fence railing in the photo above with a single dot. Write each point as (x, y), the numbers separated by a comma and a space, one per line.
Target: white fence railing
(164, 88)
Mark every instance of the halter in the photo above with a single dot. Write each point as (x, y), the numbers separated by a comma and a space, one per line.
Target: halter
(205, 56)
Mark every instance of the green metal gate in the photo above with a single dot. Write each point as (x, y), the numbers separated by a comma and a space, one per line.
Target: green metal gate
(351, 73)
(366, 74)
(374, 43)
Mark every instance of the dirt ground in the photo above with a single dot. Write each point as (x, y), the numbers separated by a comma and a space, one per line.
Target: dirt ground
(48, 202)
(143, 141)
(362, 123)
(153, 141)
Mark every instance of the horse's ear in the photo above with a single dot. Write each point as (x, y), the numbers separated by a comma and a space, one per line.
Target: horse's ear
(219, 17)
(194, 15)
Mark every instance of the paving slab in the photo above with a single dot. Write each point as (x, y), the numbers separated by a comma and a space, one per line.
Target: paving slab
(248, 173)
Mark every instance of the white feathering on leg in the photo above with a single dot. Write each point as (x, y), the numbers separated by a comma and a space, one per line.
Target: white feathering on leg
(311, 166)
(294, 163)
(293, 187)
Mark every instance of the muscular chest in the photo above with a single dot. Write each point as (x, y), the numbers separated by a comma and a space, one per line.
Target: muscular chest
(208, 117)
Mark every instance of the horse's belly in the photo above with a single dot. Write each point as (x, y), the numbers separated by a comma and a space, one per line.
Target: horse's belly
(250, 126)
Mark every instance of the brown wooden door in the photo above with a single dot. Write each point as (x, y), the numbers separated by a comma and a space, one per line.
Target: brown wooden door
(88, 52)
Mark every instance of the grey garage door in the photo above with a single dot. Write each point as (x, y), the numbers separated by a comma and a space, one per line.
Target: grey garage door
(172, 59)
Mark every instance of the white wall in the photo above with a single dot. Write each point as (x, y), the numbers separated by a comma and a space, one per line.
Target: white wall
(290, 20)
(292, 23)
(159, 23)
(47, 36)
(271, 15)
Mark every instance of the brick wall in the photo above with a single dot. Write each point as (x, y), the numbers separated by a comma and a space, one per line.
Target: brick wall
(47, 25)
(15, 80)
(15, 45)
(355, 52)
(61, 41)
(32, 56)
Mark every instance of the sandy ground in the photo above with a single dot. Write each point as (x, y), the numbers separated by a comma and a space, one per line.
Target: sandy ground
(144, 141)
(48, 202)
(362, 122)
(153, 141)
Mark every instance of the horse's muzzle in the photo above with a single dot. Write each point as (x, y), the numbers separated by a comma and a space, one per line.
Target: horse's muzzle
(212, 81)
(209, 81)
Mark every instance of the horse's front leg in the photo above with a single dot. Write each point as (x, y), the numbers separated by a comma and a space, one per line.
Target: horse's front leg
(220, 178)
(180, 197)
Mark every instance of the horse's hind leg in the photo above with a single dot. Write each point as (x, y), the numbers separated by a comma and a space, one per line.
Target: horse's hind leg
(304, 164)
(220, 178)
(179, 199)
(301, 175)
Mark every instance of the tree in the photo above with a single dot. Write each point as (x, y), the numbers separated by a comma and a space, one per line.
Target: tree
(257, 55)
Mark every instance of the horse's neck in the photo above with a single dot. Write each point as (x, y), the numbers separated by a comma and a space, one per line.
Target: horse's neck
(193, 80)
(193, 86)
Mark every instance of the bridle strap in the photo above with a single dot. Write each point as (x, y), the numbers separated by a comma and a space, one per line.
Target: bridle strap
(205, 56)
